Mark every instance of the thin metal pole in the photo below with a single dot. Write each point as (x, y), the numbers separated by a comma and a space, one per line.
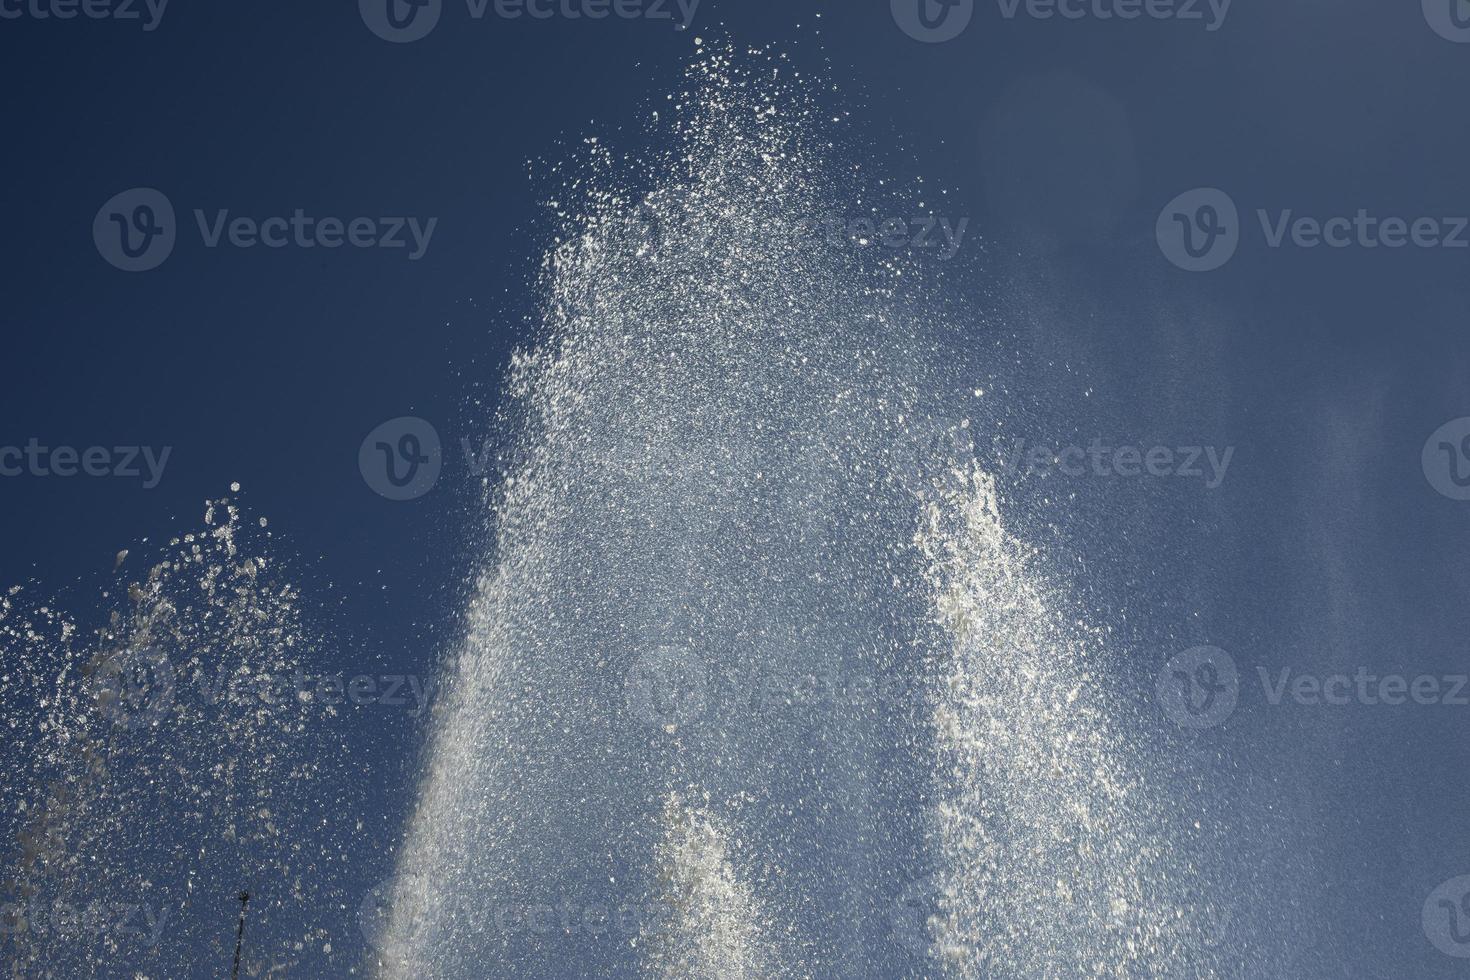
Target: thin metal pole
(240, 934)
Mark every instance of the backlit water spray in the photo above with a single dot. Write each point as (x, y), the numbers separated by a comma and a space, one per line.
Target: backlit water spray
(756, 682)
(157, 764)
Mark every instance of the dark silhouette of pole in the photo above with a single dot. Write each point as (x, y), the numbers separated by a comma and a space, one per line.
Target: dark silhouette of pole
(240, 934)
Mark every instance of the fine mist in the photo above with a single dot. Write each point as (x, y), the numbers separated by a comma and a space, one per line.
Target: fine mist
(756, 683)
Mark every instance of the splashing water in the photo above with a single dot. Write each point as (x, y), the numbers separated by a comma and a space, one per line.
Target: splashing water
(707, 585)
(714, 930)
(757, 681)
(1058, 859)
(151, 776)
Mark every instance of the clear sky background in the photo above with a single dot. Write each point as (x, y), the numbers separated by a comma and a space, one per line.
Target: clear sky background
(1324, 548)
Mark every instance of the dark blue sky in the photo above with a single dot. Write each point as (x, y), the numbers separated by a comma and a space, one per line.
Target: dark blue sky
(1061, 141)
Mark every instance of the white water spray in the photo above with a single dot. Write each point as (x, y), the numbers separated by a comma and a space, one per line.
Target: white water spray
(706, 585)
